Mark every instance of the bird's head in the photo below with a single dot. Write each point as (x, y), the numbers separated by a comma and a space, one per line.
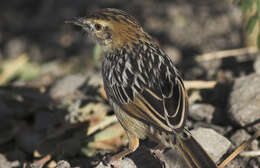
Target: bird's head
(112, 28)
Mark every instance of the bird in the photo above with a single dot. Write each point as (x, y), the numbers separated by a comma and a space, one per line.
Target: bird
(143, 86)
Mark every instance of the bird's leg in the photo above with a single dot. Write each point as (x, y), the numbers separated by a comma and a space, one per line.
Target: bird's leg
(157, 153)
(133, 145)
(159, 148)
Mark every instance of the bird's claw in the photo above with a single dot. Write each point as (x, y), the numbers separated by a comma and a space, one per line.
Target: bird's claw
(105, 159)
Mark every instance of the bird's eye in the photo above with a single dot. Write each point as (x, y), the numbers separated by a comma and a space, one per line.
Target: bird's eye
(98, 27)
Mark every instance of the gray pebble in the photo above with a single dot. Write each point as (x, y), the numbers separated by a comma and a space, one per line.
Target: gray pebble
(124, 163)
(238, 162)
(67, 85)
(257, 64)
(215, 144)
(4, 163)
(201, 112)
(15, 47)
(244, 101)
(63, 164)
(239, 136)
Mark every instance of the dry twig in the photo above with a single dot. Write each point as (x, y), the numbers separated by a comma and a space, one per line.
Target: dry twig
(238, 150)
(250, 153)
(226, 53)
(42, 161)
(199, 84)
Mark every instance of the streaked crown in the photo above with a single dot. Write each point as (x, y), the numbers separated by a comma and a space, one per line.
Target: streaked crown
(112, 28)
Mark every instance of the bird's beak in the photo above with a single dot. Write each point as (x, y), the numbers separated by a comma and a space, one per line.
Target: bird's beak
(76, 21)
(82, 22)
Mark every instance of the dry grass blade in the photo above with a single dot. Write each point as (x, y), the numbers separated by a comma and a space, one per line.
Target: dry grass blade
(238, 150)
(226, 53)
(200, 84)
(10, 68)
(103, 124)
(42, 161)
(250, 153)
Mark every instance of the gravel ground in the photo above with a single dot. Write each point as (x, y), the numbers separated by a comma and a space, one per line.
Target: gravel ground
(52, 111)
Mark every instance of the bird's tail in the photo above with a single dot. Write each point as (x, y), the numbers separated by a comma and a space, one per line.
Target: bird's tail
(193, 153)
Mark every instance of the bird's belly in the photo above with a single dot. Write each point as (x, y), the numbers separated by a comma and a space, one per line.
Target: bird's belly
(130, 124)
(141, 130)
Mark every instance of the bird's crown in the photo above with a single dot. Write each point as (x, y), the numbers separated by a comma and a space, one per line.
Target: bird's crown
(112, 28)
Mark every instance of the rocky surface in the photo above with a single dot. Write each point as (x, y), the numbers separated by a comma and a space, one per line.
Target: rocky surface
(52, 106)
(215, 144)
(239, 137)
(244, 101)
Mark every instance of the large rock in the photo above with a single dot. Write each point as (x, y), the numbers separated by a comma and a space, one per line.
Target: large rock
(244, 101)
(214, 144)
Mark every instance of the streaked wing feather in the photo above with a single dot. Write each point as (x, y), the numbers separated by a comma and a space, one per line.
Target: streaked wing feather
(153, 107)
(140, 109)
(176, 107)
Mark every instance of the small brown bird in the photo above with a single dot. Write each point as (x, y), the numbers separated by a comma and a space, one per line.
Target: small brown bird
(143, 86)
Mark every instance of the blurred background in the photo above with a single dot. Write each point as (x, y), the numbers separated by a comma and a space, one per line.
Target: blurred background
(52, 105)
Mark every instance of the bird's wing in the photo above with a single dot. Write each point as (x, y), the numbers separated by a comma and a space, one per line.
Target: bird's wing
(164, 105)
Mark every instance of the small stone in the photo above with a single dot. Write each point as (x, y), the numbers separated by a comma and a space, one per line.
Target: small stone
(123, 163)
(4, 163)
(239, 136)
(175, 159)
(214, 144)
(244, 101)
(238, 162)
(253, 162)
(257, 64)
(67, 85)
(15, 47)
(255, 145)
(174, 54)
(63, 164)
(96, 78)
(201, 112)
(211, 67)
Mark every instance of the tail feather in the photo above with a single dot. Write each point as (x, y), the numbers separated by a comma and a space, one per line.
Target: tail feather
(193, 153)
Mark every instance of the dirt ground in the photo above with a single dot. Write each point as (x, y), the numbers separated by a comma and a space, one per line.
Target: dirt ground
(52, 105)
